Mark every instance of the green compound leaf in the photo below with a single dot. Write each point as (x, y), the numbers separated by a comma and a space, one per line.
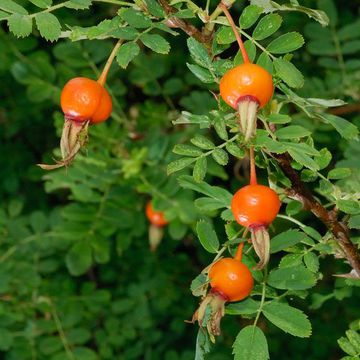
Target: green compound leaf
(127, 53)
(42, 3)
(201, 73)
(200, 169)
(245, 307)
(20, 25)
(202, 142)
(225, 35)
(135, 18)
(267, 26)
(292, 278)
(207, 236)
(354, 339)
(265, 61)
(285, 240)
(348, 206)
(78, 4)
(234, 149)
(154, 8)
(48, 26)
(289, 73)
(288, 319)
(354, 222)
(345, 128)
(286, 43)
(79, 258)
(214, 192)
(156, 43)
(12, 7)
(251, 344)
(312, 262)
(303, 159)
(318, 15)
(249, 16)
(198, 53)
(347, 347)
(180, 164)
(339, 173)
(187, 150)
(220, 156)
(292, 132)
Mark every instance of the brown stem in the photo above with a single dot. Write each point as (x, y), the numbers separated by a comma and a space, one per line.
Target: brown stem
(104, 73)
(346, 109)
(236, 33)
(185, 26)
(338, 229)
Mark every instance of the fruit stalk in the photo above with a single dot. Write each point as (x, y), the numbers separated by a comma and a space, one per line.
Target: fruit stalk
(102, 78)
(236, 33)
(239, 252)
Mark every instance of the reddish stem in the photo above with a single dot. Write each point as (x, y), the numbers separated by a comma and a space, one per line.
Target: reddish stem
(239, 252)
(237, 35)
(104, 73)
(253, 180)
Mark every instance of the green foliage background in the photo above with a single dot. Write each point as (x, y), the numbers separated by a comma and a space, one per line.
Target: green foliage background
(77, 279)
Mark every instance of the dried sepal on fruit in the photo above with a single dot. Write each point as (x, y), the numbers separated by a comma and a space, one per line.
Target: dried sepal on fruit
(255, 207)
(157, 222)
(246, 88)
(230, 281)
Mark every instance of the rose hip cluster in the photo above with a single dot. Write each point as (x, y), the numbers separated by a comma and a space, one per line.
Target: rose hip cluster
(246, 88)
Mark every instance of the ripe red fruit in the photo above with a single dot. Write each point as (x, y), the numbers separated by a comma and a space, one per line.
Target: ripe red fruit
(83, 99)
(231, 279)
(246, 80)
(255, 205)
(246, 88)
(156, 218)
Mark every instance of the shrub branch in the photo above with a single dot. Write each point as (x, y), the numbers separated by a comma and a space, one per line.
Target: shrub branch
(298, 190)
(184, 25)
(329, 218)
